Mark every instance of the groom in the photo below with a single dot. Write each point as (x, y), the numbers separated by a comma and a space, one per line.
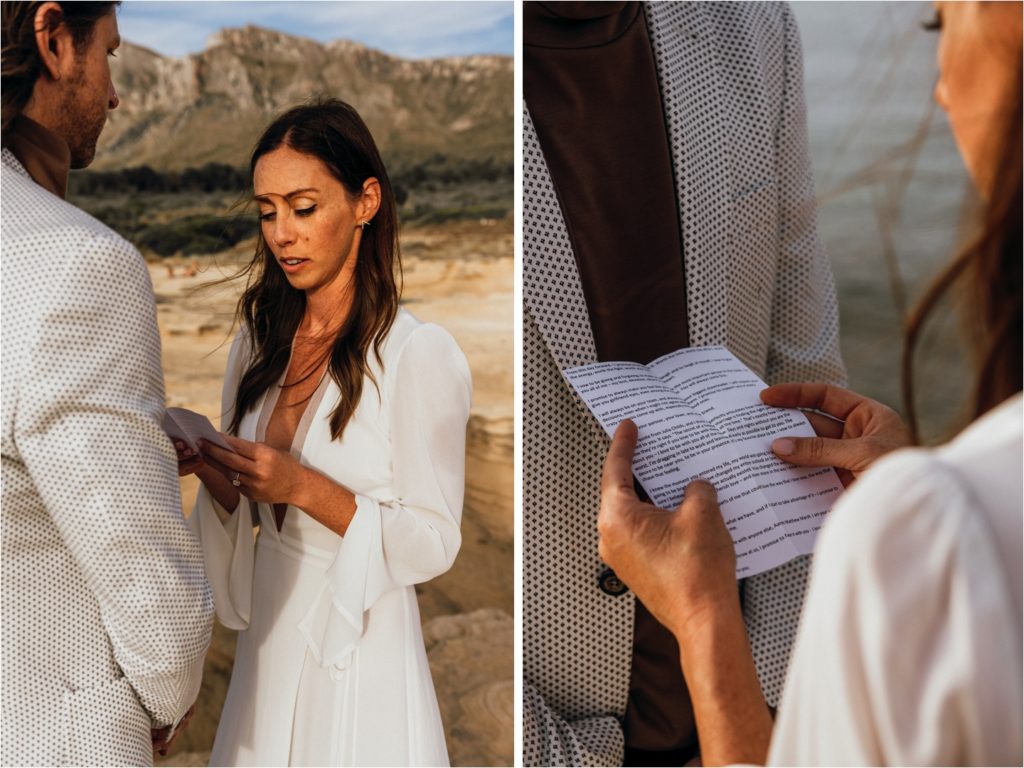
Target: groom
(668, 202)
(106, 610)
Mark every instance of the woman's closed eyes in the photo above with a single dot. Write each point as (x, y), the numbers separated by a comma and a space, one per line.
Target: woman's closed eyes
(270, 215)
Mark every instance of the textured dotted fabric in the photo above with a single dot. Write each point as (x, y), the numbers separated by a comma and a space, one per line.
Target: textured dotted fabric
(555, 294)
(758, 281)
(567, 619)
(106, 610)
(549, 739)
(577, 640)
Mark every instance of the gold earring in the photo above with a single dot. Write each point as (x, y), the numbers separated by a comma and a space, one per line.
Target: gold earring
(363, 225)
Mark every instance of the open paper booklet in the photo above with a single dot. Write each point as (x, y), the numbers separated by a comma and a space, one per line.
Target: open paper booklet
(699, 416)
(189, 426)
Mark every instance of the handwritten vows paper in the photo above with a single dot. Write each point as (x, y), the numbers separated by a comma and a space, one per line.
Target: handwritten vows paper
(699, 416)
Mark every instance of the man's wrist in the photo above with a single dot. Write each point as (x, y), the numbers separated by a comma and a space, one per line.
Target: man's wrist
(729, 707)
(699, 619)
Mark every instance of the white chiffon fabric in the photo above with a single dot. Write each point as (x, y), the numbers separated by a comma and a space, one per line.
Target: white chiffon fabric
(909, 648)
(330, 667)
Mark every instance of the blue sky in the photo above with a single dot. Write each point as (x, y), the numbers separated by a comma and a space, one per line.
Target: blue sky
(410, 29)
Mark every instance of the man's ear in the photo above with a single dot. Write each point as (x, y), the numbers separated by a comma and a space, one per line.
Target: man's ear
(54, 41)
(369, 202)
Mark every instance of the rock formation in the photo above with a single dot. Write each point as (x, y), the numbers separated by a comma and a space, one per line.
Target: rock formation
(210, 106)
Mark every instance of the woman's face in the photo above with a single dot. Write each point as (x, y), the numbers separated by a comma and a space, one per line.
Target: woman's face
(979, 57)
(309, 221)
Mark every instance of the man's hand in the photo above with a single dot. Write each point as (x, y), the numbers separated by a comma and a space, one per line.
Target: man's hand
(161, 744)
(682, 564)
(188, 460)
(854, 432)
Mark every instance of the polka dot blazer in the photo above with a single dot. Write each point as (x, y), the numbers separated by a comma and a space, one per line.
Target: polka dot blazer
(106, 611)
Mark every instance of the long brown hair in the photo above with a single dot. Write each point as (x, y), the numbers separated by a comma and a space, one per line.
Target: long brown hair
(986, 275)
(21, 65)
(272, 309)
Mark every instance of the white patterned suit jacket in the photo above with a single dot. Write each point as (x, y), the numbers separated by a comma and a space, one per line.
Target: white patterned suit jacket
(106, 611)
(757, 281)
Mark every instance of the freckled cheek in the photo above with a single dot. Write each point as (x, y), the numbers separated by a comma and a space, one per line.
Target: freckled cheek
(309, 234)
(268, 237)
(325, 233)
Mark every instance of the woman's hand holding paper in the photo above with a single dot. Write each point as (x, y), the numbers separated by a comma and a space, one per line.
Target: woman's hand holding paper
(853, 431)
(263, 473)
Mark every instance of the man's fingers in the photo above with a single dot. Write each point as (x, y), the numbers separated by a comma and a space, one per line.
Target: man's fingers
(700, 490)
(617, 493)
(835, 401)
(618, 464)
(822, 452)
(700, 499)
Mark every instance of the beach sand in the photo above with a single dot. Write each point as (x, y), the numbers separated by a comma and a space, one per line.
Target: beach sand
(459, 275)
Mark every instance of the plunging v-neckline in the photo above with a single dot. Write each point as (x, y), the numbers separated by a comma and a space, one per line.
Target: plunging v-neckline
(298, 440)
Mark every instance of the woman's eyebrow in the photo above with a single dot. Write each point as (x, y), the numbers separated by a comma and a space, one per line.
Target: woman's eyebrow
(286, 196)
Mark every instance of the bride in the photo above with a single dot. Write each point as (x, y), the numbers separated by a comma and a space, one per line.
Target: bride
(347, 421)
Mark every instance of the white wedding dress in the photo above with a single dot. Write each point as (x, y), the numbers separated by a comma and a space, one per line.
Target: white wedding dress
(330, 667)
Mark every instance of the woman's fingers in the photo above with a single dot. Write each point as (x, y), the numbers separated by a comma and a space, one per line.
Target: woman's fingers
(242, 447)
(835, 401)
(227, 462)
(825, 426)
(212, 462)
(854, 454)
(868, 428)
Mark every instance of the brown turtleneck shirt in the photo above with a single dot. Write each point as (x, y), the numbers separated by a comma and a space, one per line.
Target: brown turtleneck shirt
(591, 86)
(44, 154)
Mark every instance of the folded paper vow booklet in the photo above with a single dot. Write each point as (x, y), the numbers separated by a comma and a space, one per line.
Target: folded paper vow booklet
(699, 416)
(188, 426)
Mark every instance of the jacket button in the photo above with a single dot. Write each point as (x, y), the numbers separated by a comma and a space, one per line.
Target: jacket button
(611, 584)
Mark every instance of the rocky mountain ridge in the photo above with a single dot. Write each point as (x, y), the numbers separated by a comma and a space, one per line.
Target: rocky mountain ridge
(210, 106)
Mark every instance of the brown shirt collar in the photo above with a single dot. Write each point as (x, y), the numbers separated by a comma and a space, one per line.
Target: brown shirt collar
(569, 25)
(44, 154)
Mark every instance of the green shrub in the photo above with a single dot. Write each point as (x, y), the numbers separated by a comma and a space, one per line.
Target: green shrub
(194, 235)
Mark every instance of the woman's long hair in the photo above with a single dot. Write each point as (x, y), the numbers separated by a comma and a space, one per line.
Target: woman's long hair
(272, 309)
(986, 275)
